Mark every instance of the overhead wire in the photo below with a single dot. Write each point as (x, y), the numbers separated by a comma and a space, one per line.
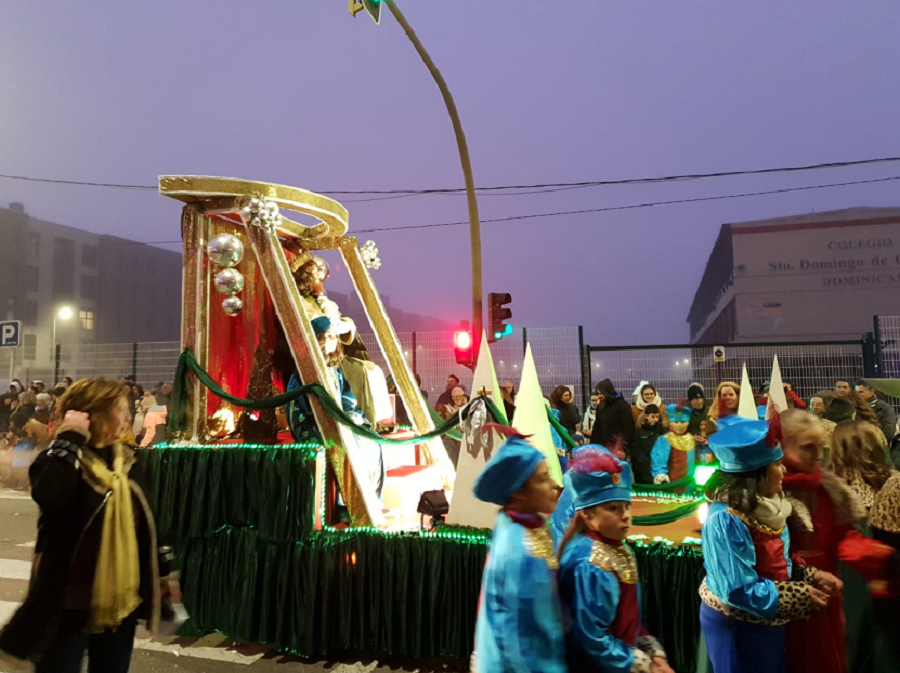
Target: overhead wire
(524, 189)
(651, 204)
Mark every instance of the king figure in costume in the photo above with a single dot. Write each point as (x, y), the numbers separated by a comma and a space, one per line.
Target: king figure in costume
(300, 413)
(598, 574)
(366, 379)
(672, 457)
(519, 629)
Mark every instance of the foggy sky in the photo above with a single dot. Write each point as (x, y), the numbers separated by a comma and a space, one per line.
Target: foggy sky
(300, 93)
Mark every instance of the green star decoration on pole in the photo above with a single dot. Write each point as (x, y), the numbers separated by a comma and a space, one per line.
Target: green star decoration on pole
(372, 7)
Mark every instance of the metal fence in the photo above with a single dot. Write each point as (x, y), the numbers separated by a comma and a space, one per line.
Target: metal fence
(560, 358)
(557, 357)
(809, 367)
(887, 339)
(150, 362)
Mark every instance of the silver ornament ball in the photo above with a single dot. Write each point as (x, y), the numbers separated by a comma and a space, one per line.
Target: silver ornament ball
(229, 281)
(225, 250)
(232, 305)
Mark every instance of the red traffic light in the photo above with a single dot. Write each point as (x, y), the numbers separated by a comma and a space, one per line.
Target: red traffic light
(463, 340)
(462, 346)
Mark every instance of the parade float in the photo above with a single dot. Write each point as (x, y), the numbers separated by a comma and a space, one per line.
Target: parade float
(288, 542)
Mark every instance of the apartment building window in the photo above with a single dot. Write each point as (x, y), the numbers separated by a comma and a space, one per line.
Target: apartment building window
(32, 278)
(29, 313)
(86, 318)
(30, 343)
(89, 287)
(89, 255)
(63, 281)
(63, 251)
(34, 244)
(63, 268)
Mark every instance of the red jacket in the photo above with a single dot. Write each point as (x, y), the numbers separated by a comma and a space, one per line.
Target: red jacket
(817, 645)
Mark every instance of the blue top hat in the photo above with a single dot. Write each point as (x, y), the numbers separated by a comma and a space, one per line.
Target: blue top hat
(597, 476)
(507, 471)
(678, 413)
(743, 447)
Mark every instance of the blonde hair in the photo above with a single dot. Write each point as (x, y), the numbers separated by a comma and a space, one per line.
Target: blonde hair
(95, 397)
(714, 407)
(795, 421)
(856, 449)
(577, 526)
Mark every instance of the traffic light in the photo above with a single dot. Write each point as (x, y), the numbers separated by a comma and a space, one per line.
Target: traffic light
(462, 346)
(498, 314)
(372, 7)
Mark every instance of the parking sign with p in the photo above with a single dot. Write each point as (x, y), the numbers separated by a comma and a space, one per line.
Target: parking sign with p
(10, 331)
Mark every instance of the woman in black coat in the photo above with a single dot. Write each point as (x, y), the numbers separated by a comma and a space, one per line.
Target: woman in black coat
(94, 523)
(614, 420)
(569, 418)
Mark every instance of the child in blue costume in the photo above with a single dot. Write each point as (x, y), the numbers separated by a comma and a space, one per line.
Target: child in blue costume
(672, 457)
(753, 586)
(519, 627)
(598, 574)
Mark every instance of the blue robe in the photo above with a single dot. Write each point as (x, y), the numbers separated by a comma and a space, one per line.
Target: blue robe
(659, 458)
(300, 413)
(591, 598)
(730, 558)
(519, 628)
(733, 560)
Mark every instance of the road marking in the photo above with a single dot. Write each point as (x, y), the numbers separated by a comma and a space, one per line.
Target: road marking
(6, 494)
(15, 570)
(7, 608)
(201, 650)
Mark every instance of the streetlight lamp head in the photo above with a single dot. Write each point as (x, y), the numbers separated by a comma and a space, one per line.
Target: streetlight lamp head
(65, 313)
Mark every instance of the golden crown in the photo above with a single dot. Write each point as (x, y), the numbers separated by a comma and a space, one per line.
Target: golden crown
(300, 259)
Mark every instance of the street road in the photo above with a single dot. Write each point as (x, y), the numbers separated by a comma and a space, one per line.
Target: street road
(18, 525)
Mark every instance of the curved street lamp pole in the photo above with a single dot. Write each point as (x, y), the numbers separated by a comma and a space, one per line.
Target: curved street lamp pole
(471, 198)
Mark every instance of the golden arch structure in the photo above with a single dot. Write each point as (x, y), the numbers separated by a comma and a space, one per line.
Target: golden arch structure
(213, 205)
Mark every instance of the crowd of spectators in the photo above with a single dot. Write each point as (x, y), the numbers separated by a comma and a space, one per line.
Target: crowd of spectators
(28, 413)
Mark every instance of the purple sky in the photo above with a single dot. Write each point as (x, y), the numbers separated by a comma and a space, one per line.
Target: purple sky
(298, 92)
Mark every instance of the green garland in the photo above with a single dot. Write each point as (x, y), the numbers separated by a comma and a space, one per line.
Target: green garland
(187, 364)
(670, 486)
(670, 516)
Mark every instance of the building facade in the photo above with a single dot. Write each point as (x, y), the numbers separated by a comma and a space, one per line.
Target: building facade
(815, 277)
(114, 290)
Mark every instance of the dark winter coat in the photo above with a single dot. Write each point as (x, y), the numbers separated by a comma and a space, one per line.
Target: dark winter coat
(614, 417)
(697, 418)
(640, 449)
(569, 417)
(65, 556)
(887, 419)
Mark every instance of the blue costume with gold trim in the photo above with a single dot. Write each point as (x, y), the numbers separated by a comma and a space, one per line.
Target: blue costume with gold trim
(519, 627)
(598, 579)
(752, 587)
(519, 621)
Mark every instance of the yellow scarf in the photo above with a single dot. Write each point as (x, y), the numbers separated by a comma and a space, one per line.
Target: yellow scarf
(117, 579)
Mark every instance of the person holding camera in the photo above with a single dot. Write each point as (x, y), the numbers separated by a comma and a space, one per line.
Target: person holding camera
(95, 567)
